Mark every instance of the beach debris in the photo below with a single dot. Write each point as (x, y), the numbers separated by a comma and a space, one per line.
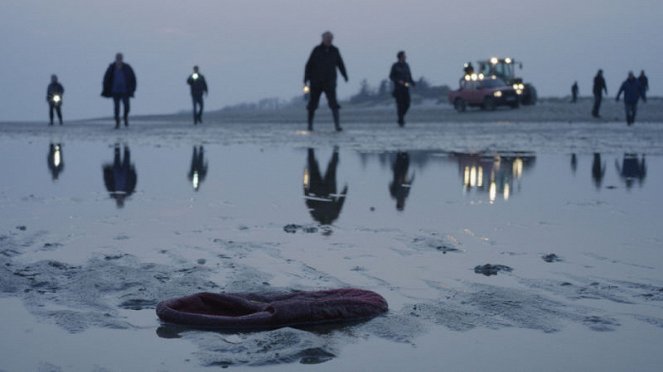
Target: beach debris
(489, 269)
(551, 257)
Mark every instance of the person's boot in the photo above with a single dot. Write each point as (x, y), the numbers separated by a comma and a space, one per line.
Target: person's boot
(117, 123)
(126, 120)
(337, 120)
(311, 114)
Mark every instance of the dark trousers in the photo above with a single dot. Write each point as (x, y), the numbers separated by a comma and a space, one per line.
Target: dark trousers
(329, 89)
(574, 97)
(58, 110)
(197, 109)
(124, 98)
(402, 95)
(631, 109)
(597, 104)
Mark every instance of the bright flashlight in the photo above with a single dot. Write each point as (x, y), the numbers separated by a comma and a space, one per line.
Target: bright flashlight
(57, 98)
(57, 158)
(195, 76)
(195, 181)
(307, 89)
(406, 84)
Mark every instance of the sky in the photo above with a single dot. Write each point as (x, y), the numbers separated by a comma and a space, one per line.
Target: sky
(253, 49)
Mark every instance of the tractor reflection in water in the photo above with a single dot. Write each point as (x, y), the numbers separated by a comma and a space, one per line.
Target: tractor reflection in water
(120, 176)
(498, 175)
(322, 199)
(55, 160)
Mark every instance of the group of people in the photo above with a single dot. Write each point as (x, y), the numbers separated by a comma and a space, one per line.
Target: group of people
(633, 89)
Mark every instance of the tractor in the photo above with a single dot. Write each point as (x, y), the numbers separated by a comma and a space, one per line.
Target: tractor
(505, 69)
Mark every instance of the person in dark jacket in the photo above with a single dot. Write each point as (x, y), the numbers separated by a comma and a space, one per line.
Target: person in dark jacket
(54, 94)
(198, 86)
(400, 186)
(120, 85)
(644, 84)
(55, 160)
(598, 89)
(120, 177)
(320, 75)
(574, 92)
(401, 76)
(198, 169)
(632, 93)
(322, 199)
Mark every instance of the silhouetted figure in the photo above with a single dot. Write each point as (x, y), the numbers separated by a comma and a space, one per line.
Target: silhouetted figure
(400, 186)
(322, 199)
(633, 169)
(468, 69)
(54, 95)
(644, 84)
(320, 73)
(598, 88)
(598, 170)
(55, 160)
(574, 92)
(120, 85)
(120, 176)
(198, 170)
(632, 93)
(574, 163)
(198, 87)
(401, 76)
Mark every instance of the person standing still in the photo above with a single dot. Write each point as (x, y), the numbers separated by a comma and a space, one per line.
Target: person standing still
(574, 92)
(401, 76)
(644, 84)
(198, 86)
(120, 85)
(632, 93)
(598, 89)
(320, 74)
(54, 94)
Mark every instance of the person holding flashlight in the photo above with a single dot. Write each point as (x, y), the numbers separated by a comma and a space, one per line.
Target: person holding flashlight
(120, 85)
(54, 94)
(198, 86)
(320, 77)
(401, 76)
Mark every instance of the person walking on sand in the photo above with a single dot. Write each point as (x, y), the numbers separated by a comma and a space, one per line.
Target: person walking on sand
(320, 77)
(574, 92)
(401, 76)
(632, 93)
(54, 93)
(598, 89)
(120, 85)
(198, 86)
(644, 84)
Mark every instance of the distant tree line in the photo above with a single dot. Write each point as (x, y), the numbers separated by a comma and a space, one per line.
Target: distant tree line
(369, 95)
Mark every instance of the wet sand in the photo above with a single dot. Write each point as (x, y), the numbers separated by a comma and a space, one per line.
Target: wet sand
(80, 277)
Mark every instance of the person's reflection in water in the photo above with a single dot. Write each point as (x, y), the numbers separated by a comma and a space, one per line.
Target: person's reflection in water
(598, 170)
(120, 176)
(574, 163)
(400, 185)
(633, 168)
(198, 170)
(320, 193)
(55, 160)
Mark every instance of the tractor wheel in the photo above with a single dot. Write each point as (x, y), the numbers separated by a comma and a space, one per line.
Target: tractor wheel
(489, 104)
(460, 105)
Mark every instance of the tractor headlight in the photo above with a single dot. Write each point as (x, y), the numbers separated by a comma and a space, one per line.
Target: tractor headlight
(493, 60)
(508, 60)
(497, 94)
(519, 92)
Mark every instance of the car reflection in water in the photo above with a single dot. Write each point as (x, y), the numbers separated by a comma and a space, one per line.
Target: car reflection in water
(120, 176)
(322, 199)
(498, 175)
(198, 170)
(55, 160)
(632, 169)
(400, 186)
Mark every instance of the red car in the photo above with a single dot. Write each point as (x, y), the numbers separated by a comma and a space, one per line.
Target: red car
(485, 93)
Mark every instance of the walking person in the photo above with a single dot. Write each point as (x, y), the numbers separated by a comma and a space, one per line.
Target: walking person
(644, 84)
(632, 93)
(401, 76)
(198, 86)
(120, 85)
(320, 76)
(574, 92)
(54, 93)
(598, 89)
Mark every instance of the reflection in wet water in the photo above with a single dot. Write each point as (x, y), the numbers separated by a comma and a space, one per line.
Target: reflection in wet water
(574, 163)
(400, 186)
(598, 170)
(55, 160)
(120, 176)
(632, 169)
(498, 175)
(322, 199)
(198, 170)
